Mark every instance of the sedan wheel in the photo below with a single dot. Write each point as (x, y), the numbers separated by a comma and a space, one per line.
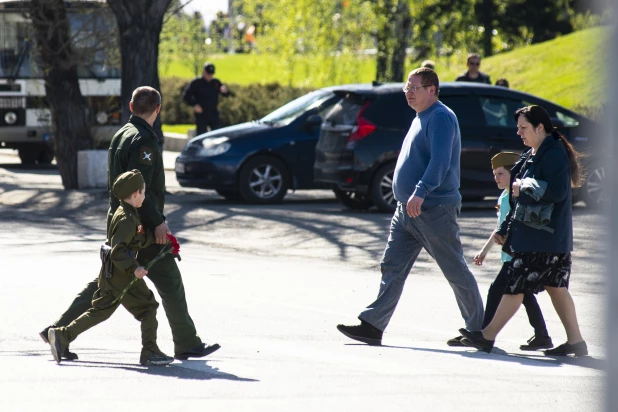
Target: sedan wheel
(263, 180)
(596, 187)
(382, 189)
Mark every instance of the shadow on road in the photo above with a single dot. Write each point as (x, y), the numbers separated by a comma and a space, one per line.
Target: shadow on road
(501, 355)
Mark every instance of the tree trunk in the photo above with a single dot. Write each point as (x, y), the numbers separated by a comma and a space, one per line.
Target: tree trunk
(487, 18)
(139, 24)
(403, 31)
(68, 108)
(394, 29)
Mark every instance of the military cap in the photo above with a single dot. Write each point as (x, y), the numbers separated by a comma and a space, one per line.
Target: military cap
(128, 183)
(504, 159)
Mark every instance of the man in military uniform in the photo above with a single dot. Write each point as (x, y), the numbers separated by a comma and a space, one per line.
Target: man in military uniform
(135, 147)
(203, 94)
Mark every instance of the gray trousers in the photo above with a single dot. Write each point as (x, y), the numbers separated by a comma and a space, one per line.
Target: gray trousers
(436, 230)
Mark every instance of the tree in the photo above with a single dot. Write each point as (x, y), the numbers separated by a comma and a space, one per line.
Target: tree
(68, 108)
(139, 24)
(393, 32)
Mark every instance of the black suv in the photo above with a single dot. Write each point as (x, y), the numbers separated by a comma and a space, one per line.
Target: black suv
(362, 134)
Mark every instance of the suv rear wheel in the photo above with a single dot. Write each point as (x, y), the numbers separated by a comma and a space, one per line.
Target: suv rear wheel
(382, 189)
(263, 179)
(353, 200)
(595, 186)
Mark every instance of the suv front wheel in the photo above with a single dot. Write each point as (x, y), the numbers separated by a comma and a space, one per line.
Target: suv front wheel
(382, 189)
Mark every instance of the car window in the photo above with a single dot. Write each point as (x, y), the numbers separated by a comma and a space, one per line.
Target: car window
(567, 120)
(345, 111)
(499, 111)
(466, 108)
(288, 113)
(391, 111)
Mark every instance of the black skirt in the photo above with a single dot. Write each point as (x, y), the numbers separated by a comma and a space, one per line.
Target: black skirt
(530, 272)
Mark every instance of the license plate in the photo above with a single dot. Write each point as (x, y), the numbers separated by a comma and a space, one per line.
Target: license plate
(180, 168)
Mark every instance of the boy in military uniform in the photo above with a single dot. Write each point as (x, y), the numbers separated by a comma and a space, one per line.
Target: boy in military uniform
(126, 237)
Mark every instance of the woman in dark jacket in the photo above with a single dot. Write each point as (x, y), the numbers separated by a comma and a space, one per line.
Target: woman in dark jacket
(538, 232)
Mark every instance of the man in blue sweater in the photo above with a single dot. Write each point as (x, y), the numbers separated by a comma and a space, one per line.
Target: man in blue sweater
(426, 186)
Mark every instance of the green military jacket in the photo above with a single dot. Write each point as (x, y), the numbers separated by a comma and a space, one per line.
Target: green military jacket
(126, 236)
(135, 146)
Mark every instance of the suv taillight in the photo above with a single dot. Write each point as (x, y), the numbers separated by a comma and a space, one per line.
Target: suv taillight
(363, 126)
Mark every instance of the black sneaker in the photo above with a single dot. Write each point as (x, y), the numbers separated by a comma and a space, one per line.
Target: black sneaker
(364, 332)
(536, 342)
(154, 358)
(198, 352)
(456, 341)
(577, 349)
(476, 340)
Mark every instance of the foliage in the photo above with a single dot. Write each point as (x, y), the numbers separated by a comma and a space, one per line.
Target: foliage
(248, 103)
(312, 35)
(183, 36)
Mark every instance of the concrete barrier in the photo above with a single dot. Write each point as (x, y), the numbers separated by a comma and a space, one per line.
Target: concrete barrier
(175, 142)
(91, 169)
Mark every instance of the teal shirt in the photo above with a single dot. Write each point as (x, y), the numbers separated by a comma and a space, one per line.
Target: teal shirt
(505, 208)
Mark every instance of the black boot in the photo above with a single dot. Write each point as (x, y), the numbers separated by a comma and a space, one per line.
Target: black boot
(67, 355)
(456, 341)
(577, 349)
(364, 332)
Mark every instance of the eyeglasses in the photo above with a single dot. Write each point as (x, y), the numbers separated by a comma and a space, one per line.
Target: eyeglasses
(474, 63)
(407, 88)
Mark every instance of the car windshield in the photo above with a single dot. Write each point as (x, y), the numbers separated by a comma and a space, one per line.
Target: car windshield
(288, 113)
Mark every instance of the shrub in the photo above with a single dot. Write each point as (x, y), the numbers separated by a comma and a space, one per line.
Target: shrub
(249, 102)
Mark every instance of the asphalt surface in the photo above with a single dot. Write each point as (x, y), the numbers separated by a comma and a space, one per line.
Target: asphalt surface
(270, 284)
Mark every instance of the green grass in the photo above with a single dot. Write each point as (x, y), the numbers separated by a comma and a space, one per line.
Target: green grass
(567, 70)
(262, 68)
(177, 128)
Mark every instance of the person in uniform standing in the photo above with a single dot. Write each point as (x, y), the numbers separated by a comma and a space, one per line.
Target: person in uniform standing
(203, 94)
(135, 147)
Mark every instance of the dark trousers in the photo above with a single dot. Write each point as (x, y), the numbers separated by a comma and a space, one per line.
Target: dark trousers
(139, 301)
(205, 120)
(494, 296)
(166, 277)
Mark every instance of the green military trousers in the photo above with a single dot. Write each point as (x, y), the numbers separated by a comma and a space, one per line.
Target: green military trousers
(166, 277)
(138, 300)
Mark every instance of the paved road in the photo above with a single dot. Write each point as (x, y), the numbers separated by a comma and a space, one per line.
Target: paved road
(270, 284)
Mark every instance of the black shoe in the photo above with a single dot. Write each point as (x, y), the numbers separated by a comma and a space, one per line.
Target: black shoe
(456, 341)
(44, 332)
(535, 343)
(476, 340)
(364, 332)
(67, 355)
(198, 352)
(577, 349)
(58, 343)
(157, 359)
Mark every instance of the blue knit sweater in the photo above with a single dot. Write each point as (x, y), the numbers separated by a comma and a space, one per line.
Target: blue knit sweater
(428, 164)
